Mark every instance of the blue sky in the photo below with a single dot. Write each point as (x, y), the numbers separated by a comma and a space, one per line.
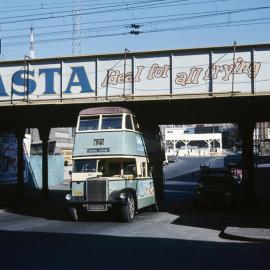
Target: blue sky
(105, 29)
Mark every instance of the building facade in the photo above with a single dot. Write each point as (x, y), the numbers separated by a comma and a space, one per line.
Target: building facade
(61, 142)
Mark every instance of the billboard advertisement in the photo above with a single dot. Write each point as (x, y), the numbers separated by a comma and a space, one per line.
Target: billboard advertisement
(8, 157)
(243, 69)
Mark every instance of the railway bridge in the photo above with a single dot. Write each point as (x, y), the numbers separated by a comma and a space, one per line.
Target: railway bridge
(203, 85)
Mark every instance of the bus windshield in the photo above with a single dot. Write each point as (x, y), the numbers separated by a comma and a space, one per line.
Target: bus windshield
(85, 165)
(129, 167)
(89, 123)
(111, 122)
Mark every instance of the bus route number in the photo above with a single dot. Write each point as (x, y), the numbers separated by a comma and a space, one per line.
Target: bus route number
(98, 142)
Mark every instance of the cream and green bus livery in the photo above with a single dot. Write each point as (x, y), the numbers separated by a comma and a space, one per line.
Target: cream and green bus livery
(111, 169)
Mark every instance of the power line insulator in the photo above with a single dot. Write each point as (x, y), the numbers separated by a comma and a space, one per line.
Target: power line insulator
(135, 26)
(134, 32)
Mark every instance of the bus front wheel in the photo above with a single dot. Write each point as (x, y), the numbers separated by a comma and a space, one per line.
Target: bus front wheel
(128, 211)
(74, 213)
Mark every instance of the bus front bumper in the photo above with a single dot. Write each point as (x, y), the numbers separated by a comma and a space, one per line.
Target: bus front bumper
(74, 201)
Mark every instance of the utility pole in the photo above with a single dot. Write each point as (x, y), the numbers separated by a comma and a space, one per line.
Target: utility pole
(32, 49)
(234, 51)
(76, 34)
(125, 64)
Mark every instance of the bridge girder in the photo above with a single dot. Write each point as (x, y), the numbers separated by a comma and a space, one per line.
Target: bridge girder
(174, 111)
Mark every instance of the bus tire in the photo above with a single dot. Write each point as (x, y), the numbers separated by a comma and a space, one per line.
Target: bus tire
(128, 210)
(74, 213)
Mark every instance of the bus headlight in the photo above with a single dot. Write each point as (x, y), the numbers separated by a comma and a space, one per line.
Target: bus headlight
(68, 197)
(122, 196)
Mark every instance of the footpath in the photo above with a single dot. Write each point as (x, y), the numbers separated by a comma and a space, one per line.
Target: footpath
(249, 234)
(250, 223)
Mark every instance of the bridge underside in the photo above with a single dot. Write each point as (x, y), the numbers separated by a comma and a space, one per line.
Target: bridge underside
(243, 110)
(157, 111)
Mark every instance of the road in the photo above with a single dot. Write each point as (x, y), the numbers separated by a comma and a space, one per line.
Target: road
(41, 236)
(182, 177)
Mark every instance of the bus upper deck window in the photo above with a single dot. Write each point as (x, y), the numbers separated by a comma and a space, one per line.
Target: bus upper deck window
(111, 122)
(136, 125)
(89, 123)
(128, 122)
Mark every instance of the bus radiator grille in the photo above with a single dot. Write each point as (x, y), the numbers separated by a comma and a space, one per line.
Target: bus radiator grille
(96, 190)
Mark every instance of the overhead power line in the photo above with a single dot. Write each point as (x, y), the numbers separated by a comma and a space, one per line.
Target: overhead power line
(157, 22)
(90, 7)
(108, 21)
(139, 24)
(190, 27)
(53, 15)
(65, 4)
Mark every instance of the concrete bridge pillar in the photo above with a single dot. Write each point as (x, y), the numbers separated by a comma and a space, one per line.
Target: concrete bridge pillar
(156, 155)
(20, 163)
(249, 189)
(44, 133)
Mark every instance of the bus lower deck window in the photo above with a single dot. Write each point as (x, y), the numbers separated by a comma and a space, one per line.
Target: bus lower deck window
(81, 165)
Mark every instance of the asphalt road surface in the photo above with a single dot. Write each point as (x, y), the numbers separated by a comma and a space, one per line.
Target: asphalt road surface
(41, 236)
(182, 177)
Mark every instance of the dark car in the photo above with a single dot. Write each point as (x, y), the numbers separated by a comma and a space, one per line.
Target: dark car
(217, 185)
(171, 159)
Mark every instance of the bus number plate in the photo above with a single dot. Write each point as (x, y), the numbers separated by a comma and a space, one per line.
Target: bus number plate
(96, 207)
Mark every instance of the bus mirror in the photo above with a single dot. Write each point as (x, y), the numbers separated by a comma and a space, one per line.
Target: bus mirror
(70, 173)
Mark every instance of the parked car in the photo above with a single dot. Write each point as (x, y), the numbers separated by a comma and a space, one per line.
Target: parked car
(217, 185)
(171, 159)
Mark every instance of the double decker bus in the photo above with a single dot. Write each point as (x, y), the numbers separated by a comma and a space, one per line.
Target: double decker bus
(110, 165)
